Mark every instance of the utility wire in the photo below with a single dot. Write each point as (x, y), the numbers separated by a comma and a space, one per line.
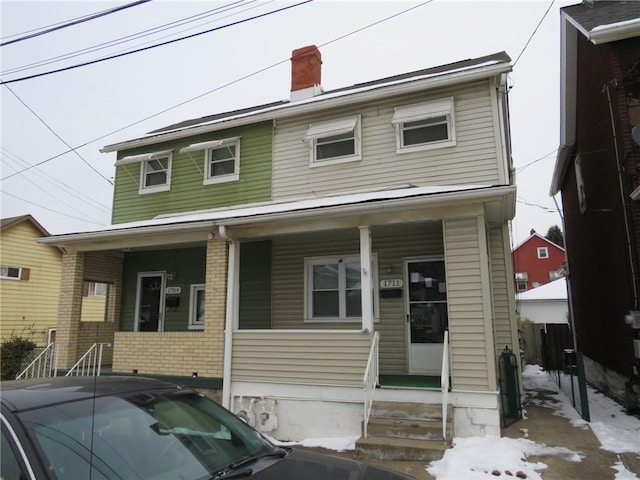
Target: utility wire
(111, 57)
(74, 22)
(134, 36)
(534, 32)
(4, 192)
(257, 72)
(74, 150)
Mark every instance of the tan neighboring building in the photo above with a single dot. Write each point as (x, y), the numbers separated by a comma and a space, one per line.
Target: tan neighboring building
(30, 275)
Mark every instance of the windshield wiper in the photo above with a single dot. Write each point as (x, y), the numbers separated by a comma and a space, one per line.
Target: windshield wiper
(232, 471)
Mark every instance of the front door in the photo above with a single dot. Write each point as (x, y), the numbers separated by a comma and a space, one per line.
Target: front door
(150, 302)
(427, 319)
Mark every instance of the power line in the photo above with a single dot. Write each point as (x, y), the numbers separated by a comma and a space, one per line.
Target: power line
(534, 32)
(131, 37)
(74, 22)
(111, 57)
(257, 72)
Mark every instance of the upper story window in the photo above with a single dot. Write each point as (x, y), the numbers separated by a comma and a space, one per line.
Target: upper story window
(521, 281)
(221, 159)
(543, 252)
(555, 275)
(155, 170)
(424, 126)
(335, 141)
(14, 273)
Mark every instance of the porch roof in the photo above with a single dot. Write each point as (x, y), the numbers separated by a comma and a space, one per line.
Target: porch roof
(197, 226)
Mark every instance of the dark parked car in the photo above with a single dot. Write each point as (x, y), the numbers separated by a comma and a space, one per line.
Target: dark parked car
(125, 428)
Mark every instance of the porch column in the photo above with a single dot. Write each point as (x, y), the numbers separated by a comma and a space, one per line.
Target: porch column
(70, 309)
(366, 276)
(233, 289)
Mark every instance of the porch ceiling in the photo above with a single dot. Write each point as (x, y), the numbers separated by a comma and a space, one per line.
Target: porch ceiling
(404, 205)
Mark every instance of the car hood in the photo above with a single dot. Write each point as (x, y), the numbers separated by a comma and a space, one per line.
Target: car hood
(304, 465)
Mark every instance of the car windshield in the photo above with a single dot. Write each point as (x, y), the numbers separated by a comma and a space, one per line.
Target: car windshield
(170, 435)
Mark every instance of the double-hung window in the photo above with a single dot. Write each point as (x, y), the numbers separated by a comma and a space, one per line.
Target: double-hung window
(221, 159)
(543, 252)
(522, 282)
(196, 307)
(333, 290)
(155, 170)
(335, 141)
(424, 126)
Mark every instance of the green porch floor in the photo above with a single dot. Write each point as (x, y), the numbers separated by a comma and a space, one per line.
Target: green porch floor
(416, 381)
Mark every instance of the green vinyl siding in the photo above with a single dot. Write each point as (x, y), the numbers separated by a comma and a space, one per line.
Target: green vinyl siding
(188, 264)
(187, 191)
(255, 285)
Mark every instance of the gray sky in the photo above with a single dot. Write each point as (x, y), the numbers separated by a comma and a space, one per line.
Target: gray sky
(84, 106)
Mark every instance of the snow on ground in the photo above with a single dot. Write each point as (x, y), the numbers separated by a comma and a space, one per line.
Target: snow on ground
(484, 458)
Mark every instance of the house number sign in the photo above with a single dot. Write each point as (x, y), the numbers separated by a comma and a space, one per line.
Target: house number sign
(391, 283)
(173, 290)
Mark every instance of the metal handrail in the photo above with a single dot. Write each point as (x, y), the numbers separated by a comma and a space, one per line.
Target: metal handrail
(371, 379)
(444, 383)
(44, 365)
(90, 363)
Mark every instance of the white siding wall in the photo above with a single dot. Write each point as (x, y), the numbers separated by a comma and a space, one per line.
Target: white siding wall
(474, 160)
(473, 367)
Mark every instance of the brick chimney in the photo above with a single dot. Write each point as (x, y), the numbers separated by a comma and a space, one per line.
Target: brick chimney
(306, 72)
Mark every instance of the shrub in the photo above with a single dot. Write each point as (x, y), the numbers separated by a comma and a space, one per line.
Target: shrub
(13, 353)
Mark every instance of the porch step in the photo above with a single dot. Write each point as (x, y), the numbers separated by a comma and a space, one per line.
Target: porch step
(405, 431)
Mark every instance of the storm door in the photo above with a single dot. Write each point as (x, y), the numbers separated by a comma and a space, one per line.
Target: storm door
(427, 318)
(150, 302)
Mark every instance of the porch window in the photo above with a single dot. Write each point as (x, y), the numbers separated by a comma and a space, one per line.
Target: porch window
(424, 126)
(335, 141)
(196, 307)
(97, 289)
(334, 289)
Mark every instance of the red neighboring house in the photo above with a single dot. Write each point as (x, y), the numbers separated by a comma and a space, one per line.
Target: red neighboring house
(536, 261)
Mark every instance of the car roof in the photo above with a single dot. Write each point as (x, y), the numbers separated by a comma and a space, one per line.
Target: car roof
(39, 392)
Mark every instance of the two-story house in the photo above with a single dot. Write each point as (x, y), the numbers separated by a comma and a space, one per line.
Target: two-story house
(29, 281)
(297, 255)
(597, 174)
(536, 262)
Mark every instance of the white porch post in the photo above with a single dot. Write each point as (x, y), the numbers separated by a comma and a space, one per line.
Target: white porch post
(231, 319)
(366, 276)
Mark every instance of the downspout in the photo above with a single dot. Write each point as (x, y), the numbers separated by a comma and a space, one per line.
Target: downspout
(623, 199)
(230, 316)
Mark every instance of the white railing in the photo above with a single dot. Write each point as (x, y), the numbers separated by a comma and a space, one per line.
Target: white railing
(444, 383)
(90, 363)
(44, 365)
(371, 379)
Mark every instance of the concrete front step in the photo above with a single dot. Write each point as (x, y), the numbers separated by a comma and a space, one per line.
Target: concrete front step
(401, 428)
(387, 448)
(408, 411)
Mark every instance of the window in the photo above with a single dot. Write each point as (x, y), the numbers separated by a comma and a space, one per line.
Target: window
(336, 141)
(196, 307)
(333, 289)
(10, 465)
(221, 159)
(425, 125)
(156, 174)
(97, 289)
(555, 275)
(14, 273)
(521, 282)
(543, 252)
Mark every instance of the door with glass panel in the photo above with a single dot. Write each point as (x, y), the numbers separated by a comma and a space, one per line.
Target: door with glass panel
(150, 302)
(426, 315)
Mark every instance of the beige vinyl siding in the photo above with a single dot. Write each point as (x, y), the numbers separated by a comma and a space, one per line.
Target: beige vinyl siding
(502, 288)
(29, 307)
(392, 244)
(474, 160)
(325, 358)
(467, 324)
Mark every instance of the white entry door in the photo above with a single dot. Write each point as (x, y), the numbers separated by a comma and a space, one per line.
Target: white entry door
(427, 318)
(150, 302)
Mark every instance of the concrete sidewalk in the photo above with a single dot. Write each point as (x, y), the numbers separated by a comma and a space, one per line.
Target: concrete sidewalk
(542, 427)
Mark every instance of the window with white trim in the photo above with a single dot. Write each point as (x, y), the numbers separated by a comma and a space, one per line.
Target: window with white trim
(196, 307)
(424, 126)
(221, 159)
(543, 252)
(335, 141)
(13, 273)
(333, 289)
(155, 174)
(521, 282)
